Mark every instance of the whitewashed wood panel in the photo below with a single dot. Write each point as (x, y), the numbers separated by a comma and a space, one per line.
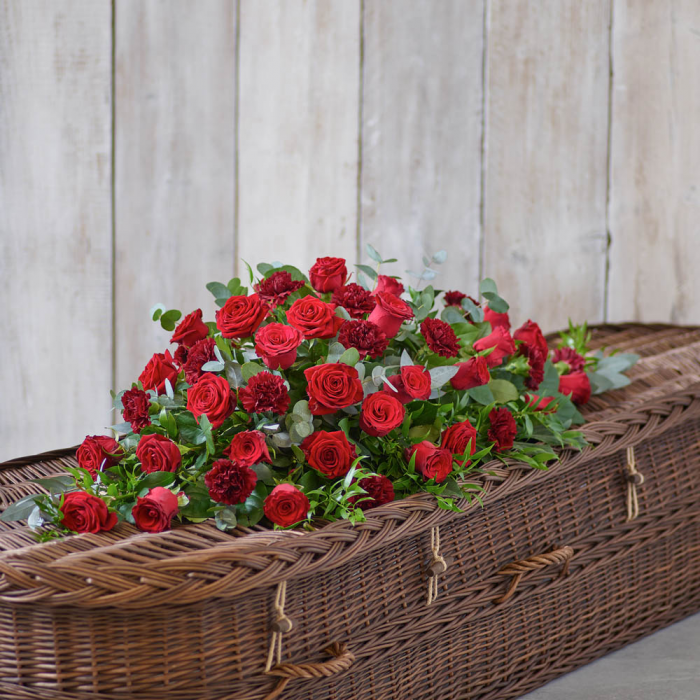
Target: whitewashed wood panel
(55, 231)
(421, 135)
(546, 157)
(655, 162)
(298, 129)
(174, 150)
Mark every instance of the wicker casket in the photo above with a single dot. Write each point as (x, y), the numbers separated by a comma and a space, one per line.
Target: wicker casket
(557, 569)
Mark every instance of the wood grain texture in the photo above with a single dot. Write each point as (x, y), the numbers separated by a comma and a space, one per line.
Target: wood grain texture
(298, 129)
(421, 135)
(655, 162)
(175, 82)
(546, 158)
(55, 232)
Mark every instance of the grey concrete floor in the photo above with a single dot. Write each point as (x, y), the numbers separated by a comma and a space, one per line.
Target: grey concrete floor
(663, 666)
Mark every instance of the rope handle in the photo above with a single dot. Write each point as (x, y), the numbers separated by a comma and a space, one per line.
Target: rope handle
(518, 569)
(634, 478)
(341, 660)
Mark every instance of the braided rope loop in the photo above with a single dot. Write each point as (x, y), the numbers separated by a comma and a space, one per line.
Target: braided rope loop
(634, 478)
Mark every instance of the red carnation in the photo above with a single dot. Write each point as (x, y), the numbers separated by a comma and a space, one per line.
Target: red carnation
(531, 335)
(569, 356)
(379, 490)
(277, 345)
(454, 298)
(457, 438)
(286, 505)
(314, 318)
(431, 461)
(200, 353)
(230, 483)
(389, 313)
(190, 330)
(366, 337)
(496, 319)
(500, 340)
(265, 392)
(248, 448)
(158, 453)
(503, 429)
(136, 404)
(381, 413)
(332, 387)
(276, 288)
(473, 372)
(83, 512)
(536, 361)
(159, 368)
(329, 453)
(98, 452)
(211, 396)
(328, 274)
(413, 383)
(577, 385)
(354, 299)
(240, 316)
(388, 284)
(155, 511)
(440, 337)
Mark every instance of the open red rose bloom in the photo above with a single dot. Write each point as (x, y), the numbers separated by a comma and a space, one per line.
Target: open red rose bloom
(319, 395)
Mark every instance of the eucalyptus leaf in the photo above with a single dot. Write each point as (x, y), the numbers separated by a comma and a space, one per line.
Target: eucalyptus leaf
(451, 315)
(281, 440)
(264, 473)
(156, 311)
(169, 318)
(250, 369)
(369, 271)
(225, 518)
(20, 510)
(350, 357)
(219, 290)
(213, 366)
(476, 313)
(234, 374)
(440, 257)
(503, 391)
(481, 394)
(335, 352)
(56, 484)
(406, 360)
(373, 253)
(441, 375)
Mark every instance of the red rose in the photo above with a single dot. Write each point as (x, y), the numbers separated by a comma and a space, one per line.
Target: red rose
(354, 299)
(230, 483)
(180, 355)
(83, 512)
(364, 336)
(389, 313)
(157, 453)
(503, 345)
(200, 353)
(332, 387)
(155, 511)
(190, 330)
(276, 288)
(454, 298)
(577, 385)
(211, 396)
(329, 453)
(440, 337)
(136, 404)
(412, 384)
(503, 428)
(496, 319)
(98, 452)
(539, 403)
(570, 357)
(248, 448)
(328, 274)
(457, 438)
(265, 392)
(388, 284)
(531, 335)
(277, 345)
(473, 372)
(159, 368)
(286, 505)
(381, 413)
(240, 316)
(379, 490)
(314, 318)
(431, 461)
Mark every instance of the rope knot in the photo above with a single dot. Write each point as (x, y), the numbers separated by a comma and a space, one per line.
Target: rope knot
(281, 625)
(634, 478)
(437, 565)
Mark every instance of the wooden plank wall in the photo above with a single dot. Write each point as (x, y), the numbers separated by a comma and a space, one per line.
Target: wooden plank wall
(147, 145)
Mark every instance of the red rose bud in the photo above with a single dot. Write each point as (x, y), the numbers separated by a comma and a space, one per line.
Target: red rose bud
(379, 490)
(277, 345)
(388, 284)
(570, 357)
(83, 512)
(531, 335)
(577, 386)
(440, 337)
(539, 403)
(411, 384)
(496, 319)
(431, 461)
(230, 483)
(314, 318)
(158, 454)
(248, 448)
(136, 404)
(354, 299)
(200, 353)
(365, 337)
(329, 453)
(389, 313)
(98, 452)
(276, 288)
(159, 368)
(500, 340)
(332, 387)
(381, 413)
(328, 274)
(286, 505)
(180, 355)
(240, 316)
(503, 429)
(265, 392)
(457, 438)
(155, 511)
(211, 396)
(190, 330)
(473, 372)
